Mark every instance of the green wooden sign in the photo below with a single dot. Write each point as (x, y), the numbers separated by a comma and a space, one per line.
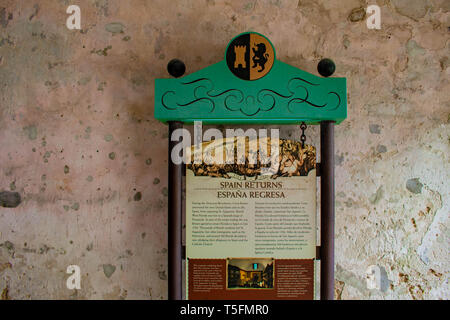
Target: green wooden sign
(251, 87)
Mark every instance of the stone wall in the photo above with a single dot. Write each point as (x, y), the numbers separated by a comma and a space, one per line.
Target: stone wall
(85, 161)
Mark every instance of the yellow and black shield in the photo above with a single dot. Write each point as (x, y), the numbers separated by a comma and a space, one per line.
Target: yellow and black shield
(250, 56)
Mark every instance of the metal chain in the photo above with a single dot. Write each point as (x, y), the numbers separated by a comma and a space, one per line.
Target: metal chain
(303, 136)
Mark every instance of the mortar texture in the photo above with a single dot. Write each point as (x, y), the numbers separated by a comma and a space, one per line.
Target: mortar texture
(82, 152)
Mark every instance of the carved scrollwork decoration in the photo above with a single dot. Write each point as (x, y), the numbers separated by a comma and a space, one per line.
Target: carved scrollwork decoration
(235, 100)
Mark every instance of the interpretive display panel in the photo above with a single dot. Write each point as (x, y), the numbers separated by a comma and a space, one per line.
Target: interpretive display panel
(251, 225)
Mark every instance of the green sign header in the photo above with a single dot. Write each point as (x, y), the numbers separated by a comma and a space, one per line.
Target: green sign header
(249, 87)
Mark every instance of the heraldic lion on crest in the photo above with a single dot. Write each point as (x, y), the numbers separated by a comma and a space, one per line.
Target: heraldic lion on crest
(260, 56)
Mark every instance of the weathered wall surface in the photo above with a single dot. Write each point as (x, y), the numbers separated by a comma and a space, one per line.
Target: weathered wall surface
(80, 145)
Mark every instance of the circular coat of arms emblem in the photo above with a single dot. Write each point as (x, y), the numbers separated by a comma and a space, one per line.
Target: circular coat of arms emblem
(250, 56)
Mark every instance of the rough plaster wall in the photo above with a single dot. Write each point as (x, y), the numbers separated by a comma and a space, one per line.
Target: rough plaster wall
(80, 145)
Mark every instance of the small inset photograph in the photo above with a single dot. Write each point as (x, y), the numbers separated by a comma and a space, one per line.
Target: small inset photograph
(250, 273)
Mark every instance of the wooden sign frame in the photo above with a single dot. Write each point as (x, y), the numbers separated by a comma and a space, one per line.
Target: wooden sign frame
(285, 95)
